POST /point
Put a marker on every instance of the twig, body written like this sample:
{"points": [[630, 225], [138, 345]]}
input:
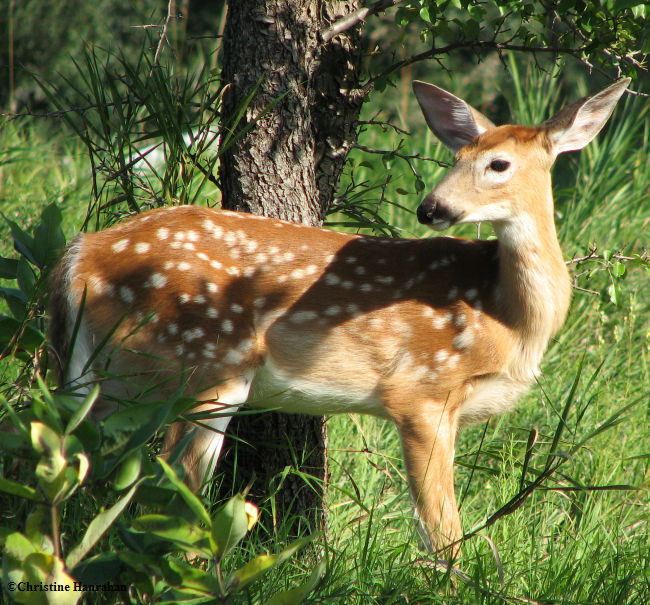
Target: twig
{"points": [[384, 125], [477, 44], [402, 156], [356, 17], [163, 36]]}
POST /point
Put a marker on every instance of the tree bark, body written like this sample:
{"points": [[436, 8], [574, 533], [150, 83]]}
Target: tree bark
{"points": [[284, 161]]}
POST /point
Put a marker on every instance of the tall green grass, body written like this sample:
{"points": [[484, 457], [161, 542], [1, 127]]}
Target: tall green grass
{"points": [[582, 535]]}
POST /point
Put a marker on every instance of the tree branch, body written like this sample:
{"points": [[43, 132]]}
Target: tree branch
{"points": [[356, 17], [475, 44]]}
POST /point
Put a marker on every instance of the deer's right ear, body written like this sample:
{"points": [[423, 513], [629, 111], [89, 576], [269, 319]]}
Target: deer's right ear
{"points": [[452, 120]]}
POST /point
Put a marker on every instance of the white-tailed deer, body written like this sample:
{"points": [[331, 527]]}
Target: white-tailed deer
{"points": [[430, 333]]}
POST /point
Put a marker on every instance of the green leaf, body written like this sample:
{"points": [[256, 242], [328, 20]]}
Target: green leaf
{"points": [[192, 578], [18, 489], [132, 427], [8, 268], [230, 524], [26, 278], [83, 410], [175, 529], [97, 527], [195, 504], [23, 242], [48, 236], [614, 292], [16, 301], [99, 569], [619, 269], [261, 564], [128, 471], [46, 569], [18, 546], [297, 595]]}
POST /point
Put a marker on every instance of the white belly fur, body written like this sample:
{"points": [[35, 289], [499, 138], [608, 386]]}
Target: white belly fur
{"points": [[274, 389]]}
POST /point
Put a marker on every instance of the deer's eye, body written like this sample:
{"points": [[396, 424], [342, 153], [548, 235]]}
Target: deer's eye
{"points": [[499, 165]]}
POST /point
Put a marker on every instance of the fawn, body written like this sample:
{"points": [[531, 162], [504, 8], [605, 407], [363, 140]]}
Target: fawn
{"points": [[430, 333]]}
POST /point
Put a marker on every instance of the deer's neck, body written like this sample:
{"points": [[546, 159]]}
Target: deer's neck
{"points": [[534, 285]]}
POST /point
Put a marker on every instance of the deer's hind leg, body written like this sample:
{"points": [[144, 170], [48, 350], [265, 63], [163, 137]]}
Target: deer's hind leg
{"points": [[201, 454]]}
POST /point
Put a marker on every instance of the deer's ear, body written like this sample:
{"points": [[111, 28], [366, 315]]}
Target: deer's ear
{"points": [[452, 120], [577, 124]]}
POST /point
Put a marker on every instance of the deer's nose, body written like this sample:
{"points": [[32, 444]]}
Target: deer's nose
{"points": [[426, 211]]}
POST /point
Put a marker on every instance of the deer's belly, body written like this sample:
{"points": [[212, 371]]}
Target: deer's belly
{"points": [[312, 394]]}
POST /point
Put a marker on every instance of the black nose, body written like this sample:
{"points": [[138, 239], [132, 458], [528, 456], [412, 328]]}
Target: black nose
{"points": [[427, 210]]}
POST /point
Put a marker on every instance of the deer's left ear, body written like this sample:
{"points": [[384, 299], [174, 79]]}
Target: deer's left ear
{"points": [[577, 124], [452, 120]]}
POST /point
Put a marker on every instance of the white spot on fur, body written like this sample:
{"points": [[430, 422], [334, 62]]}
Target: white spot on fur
{"points": [[183, 266], [126, 294], [162, 233], [440, 322], [193, 334], [384, 279], [156, 280], [184, 298], [441, 356], [199, 299], [97, 284], [331, 279], [172, 329], [227, 326], [120, 246], [464, 340], [333, 310], [211, 287], [471, 294], [302, 317], [142, 247], [235, 308], [353, 310], [212, 313]]}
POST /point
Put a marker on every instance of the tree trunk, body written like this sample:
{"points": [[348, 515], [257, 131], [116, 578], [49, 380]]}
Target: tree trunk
{"points": [[302, 118]]}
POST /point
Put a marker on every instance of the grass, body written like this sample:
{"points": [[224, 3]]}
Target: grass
{"points": [[582, 536]]}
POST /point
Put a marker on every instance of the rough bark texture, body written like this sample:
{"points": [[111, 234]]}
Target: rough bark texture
{"points": [[286, 166]]}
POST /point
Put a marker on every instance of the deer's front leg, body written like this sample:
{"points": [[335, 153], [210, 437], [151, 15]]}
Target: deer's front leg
{"points": [[428, 440]]}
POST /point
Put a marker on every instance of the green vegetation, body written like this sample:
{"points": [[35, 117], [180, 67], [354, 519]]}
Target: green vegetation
{"points": [[555, 495]]}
